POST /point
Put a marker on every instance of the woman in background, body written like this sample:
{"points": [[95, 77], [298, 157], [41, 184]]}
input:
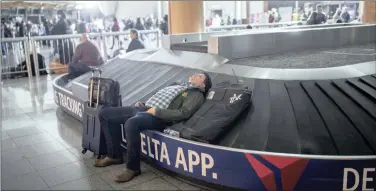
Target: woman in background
{"points": [[115, 28]]}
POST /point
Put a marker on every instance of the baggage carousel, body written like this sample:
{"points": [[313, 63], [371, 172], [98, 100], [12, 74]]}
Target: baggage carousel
{"points": [[307, 128]]}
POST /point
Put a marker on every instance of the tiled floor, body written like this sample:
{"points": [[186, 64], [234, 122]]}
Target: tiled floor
{"points": [[41, 147]]}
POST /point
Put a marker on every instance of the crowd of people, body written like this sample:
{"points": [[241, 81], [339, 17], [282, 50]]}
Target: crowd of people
{"points": [[309, 15], [319, 17], [61, 25], [87, 52]]}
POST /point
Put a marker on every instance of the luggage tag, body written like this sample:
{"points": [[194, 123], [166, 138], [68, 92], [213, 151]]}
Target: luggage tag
{"points": [[210, 95], [217, 94]]}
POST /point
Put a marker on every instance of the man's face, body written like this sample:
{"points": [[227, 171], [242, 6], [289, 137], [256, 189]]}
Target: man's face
{"points": [[132, 35], [198, 79], [319, 9]]}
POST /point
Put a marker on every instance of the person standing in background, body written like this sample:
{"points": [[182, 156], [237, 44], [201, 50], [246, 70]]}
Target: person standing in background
{"points": [[337, 15], [115, 28], [164, 25], [271, 17], [81, 28], [312, 19], [139, 26], [216, 21], [46, 27], [345, 16], [295, 15], [321, 17], [135, 43]]}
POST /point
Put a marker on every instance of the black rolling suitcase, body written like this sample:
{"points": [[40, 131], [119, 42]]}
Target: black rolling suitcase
{"points": [[103, 92]]}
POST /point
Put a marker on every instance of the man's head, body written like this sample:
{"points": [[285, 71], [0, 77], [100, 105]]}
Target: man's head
{"points": [[84, 37], [201, 80], [61, 15], [319, 8], [133, 34]]}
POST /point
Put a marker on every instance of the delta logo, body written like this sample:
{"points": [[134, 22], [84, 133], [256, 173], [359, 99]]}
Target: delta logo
{"points": [[289, 170]]}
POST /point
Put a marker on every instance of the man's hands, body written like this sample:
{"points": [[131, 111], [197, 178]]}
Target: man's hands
{"points": [[151, 111], [139, 104]]}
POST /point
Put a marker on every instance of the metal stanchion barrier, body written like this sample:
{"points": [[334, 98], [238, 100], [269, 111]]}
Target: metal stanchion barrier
{"points": [[242, 27], [13, 55], [17, 50]]}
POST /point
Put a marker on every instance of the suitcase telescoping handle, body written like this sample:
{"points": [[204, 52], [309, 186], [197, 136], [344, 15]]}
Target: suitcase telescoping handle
{"points": [[93, 70], [96, 69]]}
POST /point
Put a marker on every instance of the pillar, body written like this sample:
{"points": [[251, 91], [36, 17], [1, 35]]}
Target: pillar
{"points": [[205, 14], [369, 11], [165, 7], [185, 17], [244, 9], [238, 10], [159, 9], [245, 20]]}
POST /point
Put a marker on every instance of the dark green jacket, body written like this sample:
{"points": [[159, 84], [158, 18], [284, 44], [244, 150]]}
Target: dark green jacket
{"points": [[182, 107]]}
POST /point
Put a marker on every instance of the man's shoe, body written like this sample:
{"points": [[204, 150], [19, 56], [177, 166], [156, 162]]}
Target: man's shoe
{"points": [[107, 161], [127, 175]]}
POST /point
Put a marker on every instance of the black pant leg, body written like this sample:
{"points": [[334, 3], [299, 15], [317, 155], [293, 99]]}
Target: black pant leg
{"points": [[111, 119], [133, 128]]}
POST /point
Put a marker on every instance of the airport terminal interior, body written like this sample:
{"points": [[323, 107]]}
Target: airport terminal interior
{"points": [[309, 68]]}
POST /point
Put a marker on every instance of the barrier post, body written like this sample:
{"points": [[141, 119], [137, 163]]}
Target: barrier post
{"points": [[159, 34], [27, 57], [35, 57], [103, 39]]}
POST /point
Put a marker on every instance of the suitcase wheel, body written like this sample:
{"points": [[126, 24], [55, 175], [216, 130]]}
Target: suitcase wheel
{"points": [[83, 151]]}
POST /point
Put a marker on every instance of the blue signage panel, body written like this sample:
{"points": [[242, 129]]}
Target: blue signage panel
{"points": [[251, 171]]}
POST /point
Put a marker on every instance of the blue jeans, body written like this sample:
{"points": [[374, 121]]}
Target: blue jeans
{"points": [[133, 127], [136, 120]]}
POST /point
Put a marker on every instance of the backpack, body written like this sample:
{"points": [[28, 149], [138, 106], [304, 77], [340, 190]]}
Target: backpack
{"points": [[216, 116], [41, 65]]}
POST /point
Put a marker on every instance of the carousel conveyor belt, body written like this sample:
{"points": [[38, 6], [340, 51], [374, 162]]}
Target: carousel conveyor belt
{"points": [[191, 46], [323, 117], [326, 117]]}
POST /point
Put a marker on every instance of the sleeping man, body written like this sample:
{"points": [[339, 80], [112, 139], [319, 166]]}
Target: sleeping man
{"points": [[169, 105]]}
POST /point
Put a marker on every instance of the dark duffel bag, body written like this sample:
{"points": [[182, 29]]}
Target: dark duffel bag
{"points": [[216, 116], [92, 136], [41, 65]]}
